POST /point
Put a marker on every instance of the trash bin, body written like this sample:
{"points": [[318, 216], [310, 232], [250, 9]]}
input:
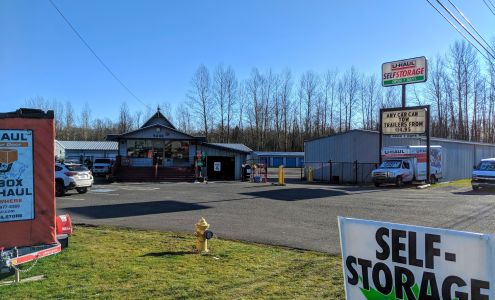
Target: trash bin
{"points": [[246, 172]]}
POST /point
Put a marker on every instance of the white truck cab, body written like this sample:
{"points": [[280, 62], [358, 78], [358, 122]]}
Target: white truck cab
{"points": [[405, 164], [484, 174]]}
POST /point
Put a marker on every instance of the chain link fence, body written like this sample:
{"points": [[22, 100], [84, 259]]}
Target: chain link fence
{"points": [[336, 172]]}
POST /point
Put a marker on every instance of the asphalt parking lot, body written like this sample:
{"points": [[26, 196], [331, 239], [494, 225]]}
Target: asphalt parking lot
{"points": [[296, 215]]}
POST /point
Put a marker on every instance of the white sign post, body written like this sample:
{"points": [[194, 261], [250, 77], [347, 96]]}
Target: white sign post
{"points": [[16, 175], [394, 261], [217, 166]]}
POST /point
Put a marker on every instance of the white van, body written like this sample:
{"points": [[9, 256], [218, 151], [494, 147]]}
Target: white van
{"points": [[403, 164]]}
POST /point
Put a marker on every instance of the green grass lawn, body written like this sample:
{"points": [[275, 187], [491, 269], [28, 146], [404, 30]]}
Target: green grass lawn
{"points": [[457, 183], [114, 263]]}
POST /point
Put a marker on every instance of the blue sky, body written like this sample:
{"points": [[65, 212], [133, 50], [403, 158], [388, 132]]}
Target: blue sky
{"points": [[155, 46]]}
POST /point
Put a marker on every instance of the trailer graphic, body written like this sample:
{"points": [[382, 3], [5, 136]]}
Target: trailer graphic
{"points": [[16, 175]]}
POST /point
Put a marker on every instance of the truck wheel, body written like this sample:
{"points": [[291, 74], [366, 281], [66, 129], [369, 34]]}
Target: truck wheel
{"points": [[59, 189], [377, 184], [475, 187], [398, 181], [433, 179], [82, 190]]}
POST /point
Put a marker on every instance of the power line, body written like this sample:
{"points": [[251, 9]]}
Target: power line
{"points": [[466, 29], [471, 25], [489, 6], [457, 29], [97, 57]]}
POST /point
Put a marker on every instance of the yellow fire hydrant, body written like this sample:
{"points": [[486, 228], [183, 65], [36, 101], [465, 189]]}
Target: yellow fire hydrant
{"points": [[202, 235]]}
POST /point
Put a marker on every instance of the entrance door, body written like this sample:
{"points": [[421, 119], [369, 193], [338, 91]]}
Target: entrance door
{"points": [[221, 168], [158, 153]]}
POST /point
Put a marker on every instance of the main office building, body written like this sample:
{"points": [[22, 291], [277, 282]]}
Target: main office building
{"points": [[159, 151]]}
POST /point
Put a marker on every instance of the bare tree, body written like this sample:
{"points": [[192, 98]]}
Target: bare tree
{"points": [[308, 93], [125, 119], [184, 118], [200, 98], [85, 122]]}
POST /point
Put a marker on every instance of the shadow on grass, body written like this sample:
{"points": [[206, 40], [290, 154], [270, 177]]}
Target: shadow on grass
{"points": [[169, 253], [121, 210]]}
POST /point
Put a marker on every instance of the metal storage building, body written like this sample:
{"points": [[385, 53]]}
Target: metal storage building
{"points": [[74, 150], [276, 159], [228, 157], [359, 150]]}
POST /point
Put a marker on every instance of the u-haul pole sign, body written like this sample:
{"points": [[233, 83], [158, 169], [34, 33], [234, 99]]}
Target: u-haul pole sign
{"points": [[16, 175], [406, 71], [393, 261]]}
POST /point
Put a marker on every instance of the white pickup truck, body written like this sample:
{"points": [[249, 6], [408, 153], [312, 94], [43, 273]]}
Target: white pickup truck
{"points": [[484, 174], [102, 166], [405, 164]]}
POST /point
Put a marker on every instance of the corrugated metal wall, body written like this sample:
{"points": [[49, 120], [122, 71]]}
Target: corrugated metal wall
{"points": [[240, 158], [459, 156]]}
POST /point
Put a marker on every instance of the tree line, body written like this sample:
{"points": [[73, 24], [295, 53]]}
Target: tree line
{"points": [[275, 111]]}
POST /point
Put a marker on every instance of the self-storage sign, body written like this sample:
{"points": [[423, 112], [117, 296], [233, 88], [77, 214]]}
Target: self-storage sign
{"points": [[404, 121], [393, 261], [406, 71], [16, 175]]}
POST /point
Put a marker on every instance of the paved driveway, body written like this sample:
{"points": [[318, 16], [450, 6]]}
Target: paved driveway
{"points": [[297, 215]]}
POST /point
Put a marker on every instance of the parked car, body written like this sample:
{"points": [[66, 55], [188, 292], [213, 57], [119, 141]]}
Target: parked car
{"points": [[72, 176], [484, 174], [102, 166]]}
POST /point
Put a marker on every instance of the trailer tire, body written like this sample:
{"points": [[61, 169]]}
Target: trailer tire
{"points": [[82, 190], [6, 272], [59, 188], [398, 181]]}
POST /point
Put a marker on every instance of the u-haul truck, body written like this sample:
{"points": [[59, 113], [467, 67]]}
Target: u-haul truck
{"points": [[403, 164]]}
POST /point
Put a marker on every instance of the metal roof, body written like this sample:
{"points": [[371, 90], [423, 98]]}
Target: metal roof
{"points": [[89, 145], [275, 153], [235, 147]]}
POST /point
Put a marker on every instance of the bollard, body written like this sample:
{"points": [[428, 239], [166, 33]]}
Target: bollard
{"points": [[281, 175], [310, 174]]}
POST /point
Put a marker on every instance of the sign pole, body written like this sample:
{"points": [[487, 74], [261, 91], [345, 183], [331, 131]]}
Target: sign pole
{"points": [[380, 143], [428, 144], [403, 96]]}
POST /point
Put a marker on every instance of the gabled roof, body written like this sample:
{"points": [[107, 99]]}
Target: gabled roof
{"points": [[89, 145], [234, 147], [158, 119], [143, 128]]}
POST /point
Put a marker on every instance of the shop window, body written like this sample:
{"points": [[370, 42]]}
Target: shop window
{"points": [[139, 148], [178, 151]]}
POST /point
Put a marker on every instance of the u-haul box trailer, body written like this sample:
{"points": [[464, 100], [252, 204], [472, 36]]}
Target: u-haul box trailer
{"points": [[27, 188]]}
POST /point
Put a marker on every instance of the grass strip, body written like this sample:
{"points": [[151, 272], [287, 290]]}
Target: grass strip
{"points": [[118, 263]]}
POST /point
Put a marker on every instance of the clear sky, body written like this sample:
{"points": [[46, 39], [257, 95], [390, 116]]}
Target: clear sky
{"points": [[155, 46]]}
